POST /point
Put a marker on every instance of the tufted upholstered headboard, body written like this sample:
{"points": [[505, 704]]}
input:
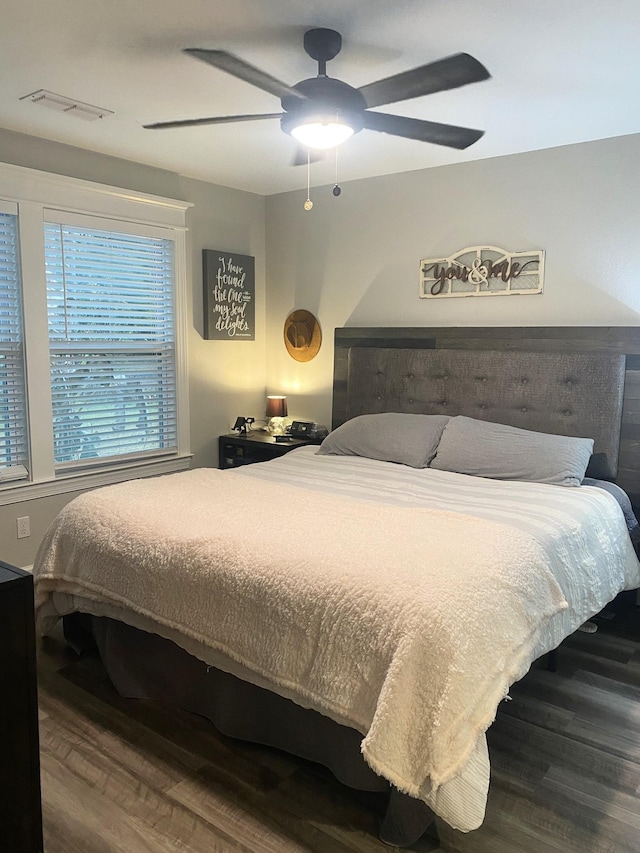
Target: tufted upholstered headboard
{"points": [[565, 393], [565, 380]]}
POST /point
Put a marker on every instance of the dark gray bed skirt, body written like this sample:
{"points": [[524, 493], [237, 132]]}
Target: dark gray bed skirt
{"points": [[146, 666]]}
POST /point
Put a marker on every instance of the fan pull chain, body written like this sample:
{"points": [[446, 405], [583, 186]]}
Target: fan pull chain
{"points": [[308, 203], [337, 189]]}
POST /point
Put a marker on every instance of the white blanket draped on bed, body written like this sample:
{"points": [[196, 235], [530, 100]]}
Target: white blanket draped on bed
{"points": [[404, 621]]}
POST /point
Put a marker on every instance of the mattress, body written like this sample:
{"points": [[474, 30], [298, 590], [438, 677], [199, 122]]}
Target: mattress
{"points": [[557, 517], [580, 558]]}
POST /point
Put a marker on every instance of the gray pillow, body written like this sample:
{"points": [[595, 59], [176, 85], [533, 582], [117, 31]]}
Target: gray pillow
{"points": [[391, 437], [502, 452]]}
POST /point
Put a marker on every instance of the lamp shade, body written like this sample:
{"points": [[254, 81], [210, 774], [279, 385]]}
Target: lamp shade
{"points": [[276, 407]]}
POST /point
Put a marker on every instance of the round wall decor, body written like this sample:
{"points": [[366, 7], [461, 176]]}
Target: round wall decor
{"points": [[302, 335]]}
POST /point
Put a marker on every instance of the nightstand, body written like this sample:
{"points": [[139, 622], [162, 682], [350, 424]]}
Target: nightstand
{"points": [[235, 450]]}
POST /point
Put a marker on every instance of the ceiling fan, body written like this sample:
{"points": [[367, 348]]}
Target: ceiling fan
{"points": [[322, 112]]}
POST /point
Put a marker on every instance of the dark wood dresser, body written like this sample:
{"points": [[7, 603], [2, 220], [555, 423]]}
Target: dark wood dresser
{"points": [[20, 805]]}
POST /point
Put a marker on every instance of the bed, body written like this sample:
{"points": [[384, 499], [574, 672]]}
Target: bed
{"points": [[445, 543]]}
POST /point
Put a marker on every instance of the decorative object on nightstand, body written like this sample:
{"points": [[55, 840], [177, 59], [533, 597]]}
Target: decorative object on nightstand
{"points": [[243, 425], [235, 450], [276, 413]]}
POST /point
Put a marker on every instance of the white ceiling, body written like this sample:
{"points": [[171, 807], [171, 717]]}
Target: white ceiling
{"points": [[563, 71]]}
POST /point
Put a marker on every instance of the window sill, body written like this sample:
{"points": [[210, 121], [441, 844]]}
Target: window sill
{"points": [[16, 492]]}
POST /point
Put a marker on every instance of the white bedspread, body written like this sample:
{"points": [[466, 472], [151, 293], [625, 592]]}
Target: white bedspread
{"points": [[400, 602]]}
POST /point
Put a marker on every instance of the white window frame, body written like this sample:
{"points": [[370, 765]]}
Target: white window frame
{"points": [[36, 192], [16, 471]]}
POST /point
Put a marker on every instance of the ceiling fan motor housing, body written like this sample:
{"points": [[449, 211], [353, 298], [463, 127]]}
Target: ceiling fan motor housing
{"points": [[325, 99], [322, 44]]}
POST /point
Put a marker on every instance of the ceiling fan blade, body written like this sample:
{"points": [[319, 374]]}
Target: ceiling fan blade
{"points": [[423, 131], [300, 157], [448, 73], [195, 122], [244, 71]]}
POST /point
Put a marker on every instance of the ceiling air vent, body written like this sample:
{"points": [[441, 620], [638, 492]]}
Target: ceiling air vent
{"points": [[86, 112]]}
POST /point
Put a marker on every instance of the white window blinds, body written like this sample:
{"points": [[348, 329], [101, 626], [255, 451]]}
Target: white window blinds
{"points": [[112, 344], [13, 409]]}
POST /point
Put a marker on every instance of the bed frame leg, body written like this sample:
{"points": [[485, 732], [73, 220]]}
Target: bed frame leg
{"points": [[76, 628], [406, 820]]}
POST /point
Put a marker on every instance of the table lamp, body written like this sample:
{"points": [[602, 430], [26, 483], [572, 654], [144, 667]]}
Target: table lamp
{"points": [[276, 413]]}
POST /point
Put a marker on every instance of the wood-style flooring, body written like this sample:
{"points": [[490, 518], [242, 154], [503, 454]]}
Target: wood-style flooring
{"points": [[132, 777]]}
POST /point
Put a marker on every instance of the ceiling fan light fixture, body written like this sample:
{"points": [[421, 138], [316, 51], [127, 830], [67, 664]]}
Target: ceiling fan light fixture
{"points": [[322, 135], [322, 131]]}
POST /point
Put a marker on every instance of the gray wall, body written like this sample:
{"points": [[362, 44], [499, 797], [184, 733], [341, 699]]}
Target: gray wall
{"points": [[227, 378], [354, 260]]}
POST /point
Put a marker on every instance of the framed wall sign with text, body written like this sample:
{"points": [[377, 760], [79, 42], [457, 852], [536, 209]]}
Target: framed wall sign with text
{"points": [[482, 271], [229, 296]]}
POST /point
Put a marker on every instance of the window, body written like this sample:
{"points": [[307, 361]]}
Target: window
{"points": [[111, 344], [93, 378]]}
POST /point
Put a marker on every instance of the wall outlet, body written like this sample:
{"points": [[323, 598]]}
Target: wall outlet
{"points": [[23, 527]]}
